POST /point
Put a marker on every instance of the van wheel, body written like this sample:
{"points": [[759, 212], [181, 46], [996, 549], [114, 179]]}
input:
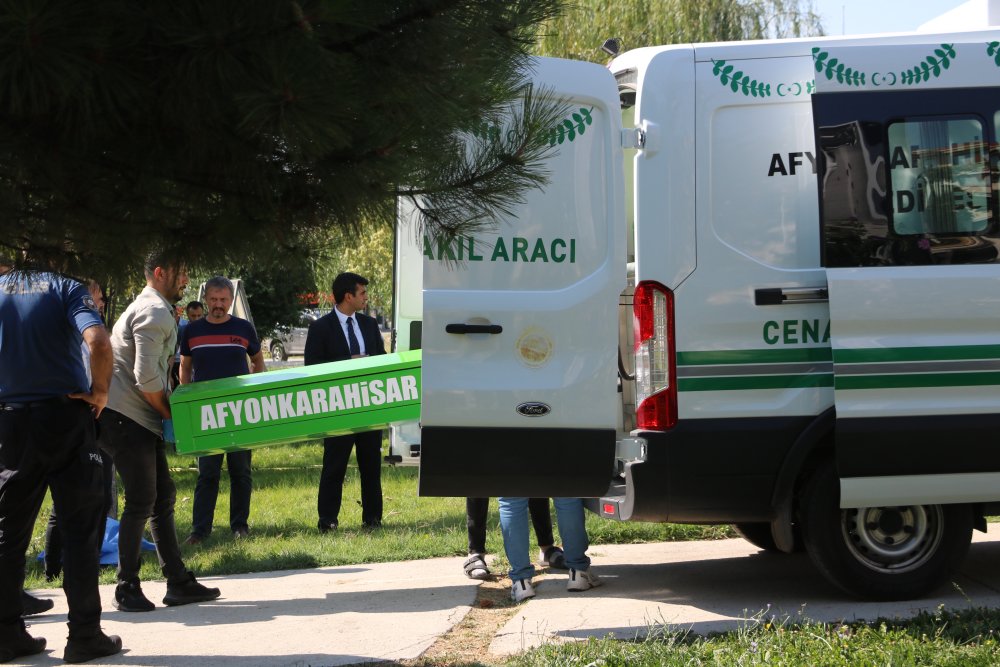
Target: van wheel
{"points": [[881, 553], [759, 535], [278, 352]]}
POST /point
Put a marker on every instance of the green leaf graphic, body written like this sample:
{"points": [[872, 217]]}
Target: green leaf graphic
{"points": [[570, 132]]}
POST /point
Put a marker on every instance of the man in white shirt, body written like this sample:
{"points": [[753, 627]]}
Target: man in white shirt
{"points": [[347, 333]]}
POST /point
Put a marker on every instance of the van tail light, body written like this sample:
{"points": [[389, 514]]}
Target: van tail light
{"points": [[655, 364]]}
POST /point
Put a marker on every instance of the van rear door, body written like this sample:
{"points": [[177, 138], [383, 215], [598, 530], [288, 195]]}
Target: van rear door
{"points": [[520, 329], [908, 173]]}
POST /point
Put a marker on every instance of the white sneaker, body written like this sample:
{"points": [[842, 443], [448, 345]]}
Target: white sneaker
{"points": [[522, 590], [582, 580]]}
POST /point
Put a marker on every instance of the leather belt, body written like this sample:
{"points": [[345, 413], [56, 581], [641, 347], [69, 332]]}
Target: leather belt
{"points": [[55, 400]]}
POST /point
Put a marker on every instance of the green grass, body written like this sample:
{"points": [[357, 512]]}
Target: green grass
{"points": [[283, 522], [964, 638]]}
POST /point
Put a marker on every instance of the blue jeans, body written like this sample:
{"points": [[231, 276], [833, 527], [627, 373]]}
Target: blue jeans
{"points": [[206, 491], [514, 526]]}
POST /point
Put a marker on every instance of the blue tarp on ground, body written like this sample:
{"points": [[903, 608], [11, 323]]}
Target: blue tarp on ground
{"points": [[109, 549]]}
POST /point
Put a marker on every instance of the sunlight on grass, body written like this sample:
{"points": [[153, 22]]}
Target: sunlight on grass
{"points": [[967, 637], [283, 533]]}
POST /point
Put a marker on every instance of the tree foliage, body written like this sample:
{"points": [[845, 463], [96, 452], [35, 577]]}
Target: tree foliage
{"points": [[226, 126], [366, 250], [274, 291], [579, 33]]}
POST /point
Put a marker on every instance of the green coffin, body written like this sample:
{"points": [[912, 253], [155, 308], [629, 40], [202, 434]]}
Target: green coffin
{"points": [[296, 403]]}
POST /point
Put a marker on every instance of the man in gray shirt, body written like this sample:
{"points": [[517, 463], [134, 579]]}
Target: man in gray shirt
{"points": [[132, 427]]}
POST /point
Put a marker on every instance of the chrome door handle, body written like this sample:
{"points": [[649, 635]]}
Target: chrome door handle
{"points": [[778, 296]]}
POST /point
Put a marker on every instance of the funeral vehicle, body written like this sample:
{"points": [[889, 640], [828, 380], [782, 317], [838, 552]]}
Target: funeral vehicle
{"points": [[761, 287]]}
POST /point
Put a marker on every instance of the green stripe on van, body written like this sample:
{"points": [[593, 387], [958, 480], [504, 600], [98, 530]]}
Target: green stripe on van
{"points": [[913, 380], [933, 353], [763, 356], [755, 382]]}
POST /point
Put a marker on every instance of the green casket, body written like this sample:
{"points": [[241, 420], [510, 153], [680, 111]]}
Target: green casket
{"points": [[296, 403]]}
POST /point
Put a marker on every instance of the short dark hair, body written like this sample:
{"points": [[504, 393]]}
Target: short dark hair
{"points": [[193, 304], [220, 282], [163, 257], [346, 283]]}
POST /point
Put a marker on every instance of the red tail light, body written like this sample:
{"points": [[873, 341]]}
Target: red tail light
{"points": [[655, 365]]}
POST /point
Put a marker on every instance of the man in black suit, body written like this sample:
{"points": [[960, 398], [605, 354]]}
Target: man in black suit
{"points": [[346, 333]]}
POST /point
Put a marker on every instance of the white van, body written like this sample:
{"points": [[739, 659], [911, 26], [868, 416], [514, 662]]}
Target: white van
{"points": [[762, 288]]}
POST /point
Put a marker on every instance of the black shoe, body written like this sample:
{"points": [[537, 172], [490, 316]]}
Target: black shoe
{"points": [[371, 525], [31, 605], [327, 526], [88, 648], [24, 644], [188, 592], [129, 597]]}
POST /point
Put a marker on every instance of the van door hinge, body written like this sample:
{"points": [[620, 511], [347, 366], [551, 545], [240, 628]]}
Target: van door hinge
{"points": [[633, 137]]}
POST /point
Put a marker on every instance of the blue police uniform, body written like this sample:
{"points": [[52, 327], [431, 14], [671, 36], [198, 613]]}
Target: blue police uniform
{"points": [[47, 440]]}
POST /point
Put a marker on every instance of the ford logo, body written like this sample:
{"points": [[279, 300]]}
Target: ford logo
{"points": [[533, 409]]}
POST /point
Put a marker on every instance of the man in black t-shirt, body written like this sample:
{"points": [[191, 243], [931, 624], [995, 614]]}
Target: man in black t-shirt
{"points": [[214, 347]]}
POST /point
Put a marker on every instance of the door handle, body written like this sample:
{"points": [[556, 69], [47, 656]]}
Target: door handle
{"points": [[473, 328], [777, 296]]}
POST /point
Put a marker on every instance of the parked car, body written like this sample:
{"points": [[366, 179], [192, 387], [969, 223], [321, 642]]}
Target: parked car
{"points": [[292, 341]]}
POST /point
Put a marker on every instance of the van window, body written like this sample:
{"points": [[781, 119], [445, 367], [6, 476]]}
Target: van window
{"points": [[909, 177], [939, 176]]}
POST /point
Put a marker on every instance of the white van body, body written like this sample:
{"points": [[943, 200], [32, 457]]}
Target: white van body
{"points": [[762, 288]]}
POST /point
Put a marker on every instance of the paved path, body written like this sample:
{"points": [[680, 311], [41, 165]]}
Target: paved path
{"points": [[392, 611], [319, 617]]}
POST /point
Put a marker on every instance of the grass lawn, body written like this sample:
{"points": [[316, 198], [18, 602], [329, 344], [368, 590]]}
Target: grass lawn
{"points": [[283, 522], [965, 638]]}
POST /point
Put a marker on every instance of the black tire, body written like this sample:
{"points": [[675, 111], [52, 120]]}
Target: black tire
{"points": [[278, 352], [759, 535], [881, 553]]}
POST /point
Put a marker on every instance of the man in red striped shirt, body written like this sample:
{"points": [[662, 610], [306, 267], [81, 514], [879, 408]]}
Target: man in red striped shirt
{"points": [[217, 346]]}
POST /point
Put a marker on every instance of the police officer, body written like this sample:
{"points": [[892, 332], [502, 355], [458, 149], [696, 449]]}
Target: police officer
{"points": [[47, 440]]}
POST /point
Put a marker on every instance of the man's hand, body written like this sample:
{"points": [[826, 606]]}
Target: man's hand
{"points": [[97, 400]]}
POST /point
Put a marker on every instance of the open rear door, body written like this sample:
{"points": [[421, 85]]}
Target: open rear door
{"points": [[520, 328], [908, 183]]}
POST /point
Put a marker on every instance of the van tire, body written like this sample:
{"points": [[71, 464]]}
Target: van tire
{"points": [[278, 352], [759, 535], [901, 554]]}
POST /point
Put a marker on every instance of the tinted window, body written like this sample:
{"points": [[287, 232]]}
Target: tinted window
{"points": [[908, 177], [940, 181]]}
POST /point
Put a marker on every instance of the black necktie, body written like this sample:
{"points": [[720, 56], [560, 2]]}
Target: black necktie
{"points": [[352, 340]]}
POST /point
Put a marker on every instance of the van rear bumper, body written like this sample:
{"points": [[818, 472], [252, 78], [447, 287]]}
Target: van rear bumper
{"points": [[703, 471]]}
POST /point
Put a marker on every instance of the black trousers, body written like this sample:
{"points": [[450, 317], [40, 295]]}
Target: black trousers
{"points": [[51, 445], [140, 457], [53, 535], [206, 491], [476, 510], [336, 453]]}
